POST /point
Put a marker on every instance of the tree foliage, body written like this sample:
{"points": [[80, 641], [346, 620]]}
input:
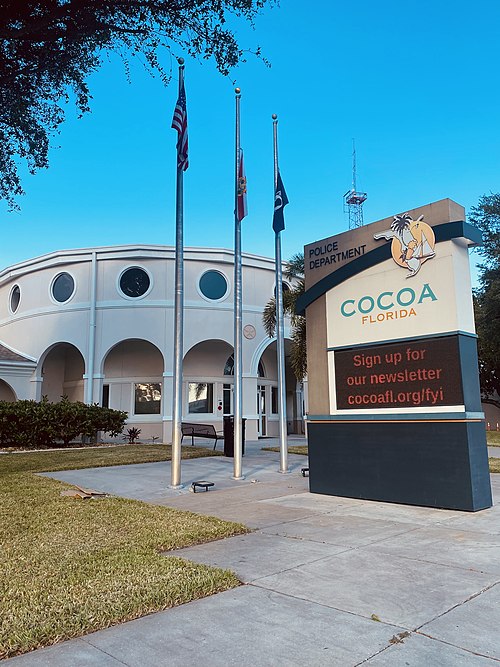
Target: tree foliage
{"points": [[48, 49], [294, 272], [486, 216]]}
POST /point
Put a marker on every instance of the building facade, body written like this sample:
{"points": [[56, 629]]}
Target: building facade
{"points": [[96, 325]]}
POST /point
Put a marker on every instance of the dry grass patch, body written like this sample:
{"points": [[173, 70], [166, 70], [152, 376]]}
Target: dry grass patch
{"points": [[494, 464], [94, 457], [70, 566], [493, 438], [292, 449]]}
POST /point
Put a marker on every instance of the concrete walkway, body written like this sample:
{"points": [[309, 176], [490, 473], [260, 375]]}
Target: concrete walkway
{"points": [[328, 581]]}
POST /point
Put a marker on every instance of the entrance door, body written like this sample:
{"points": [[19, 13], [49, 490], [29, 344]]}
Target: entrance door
{"points": [[261, 410], [227, 399]]}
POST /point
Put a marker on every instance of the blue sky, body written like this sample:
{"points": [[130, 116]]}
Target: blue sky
{"points": [[415, 83]]}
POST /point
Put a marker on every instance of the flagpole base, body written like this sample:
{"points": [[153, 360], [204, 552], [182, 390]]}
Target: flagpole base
{"points": [[176, 486], [238, 478], [284, 472]]}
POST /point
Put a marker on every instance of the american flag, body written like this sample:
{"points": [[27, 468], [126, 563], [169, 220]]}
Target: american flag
{"points": [[179, 123]]}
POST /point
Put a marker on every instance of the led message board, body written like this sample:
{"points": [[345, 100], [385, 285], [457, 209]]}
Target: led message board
{"points": [[412, 374]]}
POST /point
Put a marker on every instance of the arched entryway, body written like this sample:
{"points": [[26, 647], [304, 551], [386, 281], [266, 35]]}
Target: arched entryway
{"points": [[208, 381], [63, 368], [267, 393], [133, 379], [6, 392]]}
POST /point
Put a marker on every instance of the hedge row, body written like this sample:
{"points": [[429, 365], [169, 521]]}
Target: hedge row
{"points": [[37, 425]]}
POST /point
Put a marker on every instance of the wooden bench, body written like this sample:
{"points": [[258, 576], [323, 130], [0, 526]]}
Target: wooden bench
{"points": [[200, 431]]}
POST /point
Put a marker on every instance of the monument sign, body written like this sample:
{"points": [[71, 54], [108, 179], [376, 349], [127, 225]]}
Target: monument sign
{"points": [[394, 400]]}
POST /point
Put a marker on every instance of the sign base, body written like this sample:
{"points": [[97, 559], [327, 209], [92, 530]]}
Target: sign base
{"points": [[432, 463]]}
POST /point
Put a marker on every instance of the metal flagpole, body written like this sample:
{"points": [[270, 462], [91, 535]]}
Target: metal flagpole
{"points": [[238, 338], [280, 332], [175, 481]]}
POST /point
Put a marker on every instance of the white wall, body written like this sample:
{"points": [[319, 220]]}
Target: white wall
{"points": [[40, 322]]}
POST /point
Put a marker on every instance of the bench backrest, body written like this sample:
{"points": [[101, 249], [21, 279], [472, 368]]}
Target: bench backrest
{"points": [[197, 429]]}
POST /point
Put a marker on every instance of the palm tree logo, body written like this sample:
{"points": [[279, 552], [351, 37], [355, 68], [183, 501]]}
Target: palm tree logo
{"points": [[412, 242]]}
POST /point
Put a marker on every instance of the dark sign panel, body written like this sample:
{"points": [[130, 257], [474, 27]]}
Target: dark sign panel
{"points": [[411, 374]]}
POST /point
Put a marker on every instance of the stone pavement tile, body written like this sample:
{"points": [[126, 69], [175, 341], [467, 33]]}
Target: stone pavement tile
{"points": [[73, 653], [419, 651], [150, 481], [245, 493], [418, 516], [143, 481], [257, 555], [398, 590], [447, 546], [348, 531], [474, 625], [246, 627], [485, 521], [316, 502], [257, 515]]}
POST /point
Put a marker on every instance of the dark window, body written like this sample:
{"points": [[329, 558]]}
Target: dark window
{"points": [[213, 285], [147, 398], [63, 287], [105, 395], [201, 397], [134, 282], [229, 367], [274, 400], [226, 398], [284, 287], [260, 370], [15, 298]]}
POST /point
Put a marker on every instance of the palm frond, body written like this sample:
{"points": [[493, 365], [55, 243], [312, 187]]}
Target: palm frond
{"points": [[298, 353], [269, 317], [294, 268], [298, 350]]}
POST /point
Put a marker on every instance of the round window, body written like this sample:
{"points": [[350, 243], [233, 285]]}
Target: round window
{"points": [[15, 298], [213, 285], [134, 282], [285, 288], [63, 287]]}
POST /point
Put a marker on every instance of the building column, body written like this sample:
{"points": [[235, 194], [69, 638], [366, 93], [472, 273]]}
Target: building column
{"points": [[36, 388]]}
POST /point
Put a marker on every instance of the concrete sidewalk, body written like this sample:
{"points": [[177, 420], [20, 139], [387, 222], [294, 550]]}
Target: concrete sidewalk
{"points": [[328, 581]]}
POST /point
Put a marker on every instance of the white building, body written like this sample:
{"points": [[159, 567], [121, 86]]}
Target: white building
{"points": [[96, 325]]}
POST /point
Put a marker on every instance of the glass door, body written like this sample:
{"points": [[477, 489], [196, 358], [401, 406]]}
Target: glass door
{"points": [[261, 410], [227, 399]]}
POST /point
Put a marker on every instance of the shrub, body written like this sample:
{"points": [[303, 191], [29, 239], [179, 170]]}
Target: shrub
{"points": [[38, 425]]}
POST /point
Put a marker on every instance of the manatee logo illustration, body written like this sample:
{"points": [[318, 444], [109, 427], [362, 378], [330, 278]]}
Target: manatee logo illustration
{"points": [[412, 242]]}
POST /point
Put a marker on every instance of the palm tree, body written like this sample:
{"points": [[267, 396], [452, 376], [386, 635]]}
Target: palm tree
{"points": [[294, 271]]}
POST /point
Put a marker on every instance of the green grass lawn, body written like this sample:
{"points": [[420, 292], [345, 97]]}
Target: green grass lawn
{"points": [[73, 566]]}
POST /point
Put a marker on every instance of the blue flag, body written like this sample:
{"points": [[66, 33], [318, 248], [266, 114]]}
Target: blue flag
{"points": [[280, 201]]}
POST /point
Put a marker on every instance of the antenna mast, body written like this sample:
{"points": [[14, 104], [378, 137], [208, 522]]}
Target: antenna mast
{"points": [[354, 200]]}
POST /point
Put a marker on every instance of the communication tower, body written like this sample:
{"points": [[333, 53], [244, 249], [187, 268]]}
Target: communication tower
{"points": [[354, 200]]}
